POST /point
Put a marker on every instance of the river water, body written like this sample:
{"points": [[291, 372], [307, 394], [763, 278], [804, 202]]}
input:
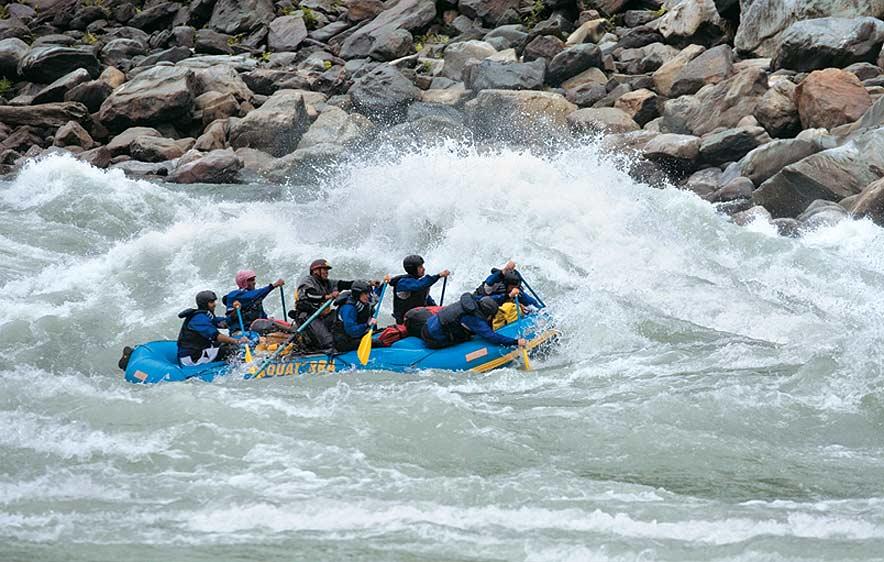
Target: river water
{"points": [[717, 393]]}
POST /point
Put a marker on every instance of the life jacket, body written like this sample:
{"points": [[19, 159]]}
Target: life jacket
{"points": [[363, 315], [449, 318], [250, 312], [485, 290], [506, 314], [190, 342], [403, 301], [305, 304], [416, 319], [392, 334]]}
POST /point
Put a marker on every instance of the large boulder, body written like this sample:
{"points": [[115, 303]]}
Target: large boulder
{"points": [[776, 110], [162, 94], [762, 22], [729, 145], [825, 42], [49, 63], [693, 21], [302, 166], [831, 175], [47, 115], [383, 94], [73, 134], [218, 166], [870, 203], [240, 16], [156, 149], [212, 106], [498, 75], [602, 120], [521, 116], [286, 33], [336, 126], [374, 38], [91, 94], [821, 213], [12, 51], [763, 162], [714, 106], [120, 52], [56, 91], [572, 61], [121, 143], [276, 127], [675, 150], [831, 97], [457, 55], [222, 79], [156, 17], [711, 67], [642, 105], [666, 74], [489, 11]]}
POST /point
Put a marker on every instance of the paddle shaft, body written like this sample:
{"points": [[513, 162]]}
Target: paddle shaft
{"points": [[301, 328], [442, 298], [524, 351], [282, 297], [242, 328], [536, 296], [363, 352]]}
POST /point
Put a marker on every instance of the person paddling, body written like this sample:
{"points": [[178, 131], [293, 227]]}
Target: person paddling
{"points": [[251, 302], [412, 290], [313, 290], [355, 315], [199, 340], [458, 322]]}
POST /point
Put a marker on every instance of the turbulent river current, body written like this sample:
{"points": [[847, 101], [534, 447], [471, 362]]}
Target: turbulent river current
{"points": [[717, 393]]}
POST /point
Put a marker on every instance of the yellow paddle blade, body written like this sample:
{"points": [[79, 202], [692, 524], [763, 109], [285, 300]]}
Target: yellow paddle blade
{"points": [[364, 350], [525, 359], [248, 354]]}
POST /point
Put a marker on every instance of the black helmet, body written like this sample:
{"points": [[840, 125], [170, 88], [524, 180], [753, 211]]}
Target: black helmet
{"points": [[488, 307], [411, 263], [203, 298], [512, 279], [358, 288]]}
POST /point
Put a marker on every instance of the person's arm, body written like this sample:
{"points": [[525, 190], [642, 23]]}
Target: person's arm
{"points": [[409, 284], [527, 300], [351, 326], [495, 277], [430, 301], [483, 330]]}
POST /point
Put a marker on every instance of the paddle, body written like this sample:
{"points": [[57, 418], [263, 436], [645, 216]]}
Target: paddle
{"points": [[527, 286], [525, 359], [442, 298], [364, 350], [248, 356], [300, 329], [282, 297]]}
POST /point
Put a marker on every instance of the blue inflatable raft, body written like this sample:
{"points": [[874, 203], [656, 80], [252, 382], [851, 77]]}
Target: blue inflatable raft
{"points": [[156, 362]]}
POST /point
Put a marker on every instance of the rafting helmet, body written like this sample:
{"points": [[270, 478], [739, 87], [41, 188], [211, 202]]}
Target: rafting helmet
{"points": [[488, 307], [203, 298], [319, 264], [512, 279], [358, 288], [411, 263]]}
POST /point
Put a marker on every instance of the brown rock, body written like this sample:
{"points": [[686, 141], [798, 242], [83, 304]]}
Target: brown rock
{"points": [[543, 47], [665, 75], [214, 137], [589, 32], [73, 134], [215, 105], [870, 202], [642, 105], [120, 143], [358, 10], [218, 166], [831, 97], [605, 119], [154, 149], [777, 112], [711, 67], [47, 115]]}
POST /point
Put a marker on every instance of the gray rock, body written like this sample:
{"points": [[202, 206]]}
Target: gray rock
{"points": [[146, 170], [214, 105], [664, 76], [753, 214], [830, 174], [714, 106], [457, 55], [543, 47], [91, 94], [157, 95], [47, 115], [56, 91], [211, 42], [645, 59], [693, 21], [423, 132], [214, 137], [711, 67], [514, 36], [286, 33], [825, 42], [47, 64], [607, 119], [642, 105], [383, 94], [729, 145], [13, 28], [239, 16], [336, 126], [704, 182], [304, 165], [768, 159], [494, 75], [218, 166], [371, 39], [98, 157], [120, 144], [490, 11], [12, 51], [120, 52], [266, 81], [672, 149], [639, 37], [737, 188], [586, 95], [572, 61], [159, 16], [276, 127], [776, 110], [222, 79], [420, 110], [155, 149], [822, 213], [870, 202], [173, 55], [519, 116], [73, 134]]}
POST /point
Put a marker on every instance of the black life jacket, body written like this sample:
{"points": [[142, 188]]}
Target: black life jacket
{"points": [[190, 341], [485, 290], [363, 315], [403, 301], [449, 318], [305, 304]]}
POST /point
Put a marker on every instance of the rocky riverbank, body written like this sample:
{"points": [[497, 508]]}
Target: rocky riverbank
{"points": [[770, 109]]}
